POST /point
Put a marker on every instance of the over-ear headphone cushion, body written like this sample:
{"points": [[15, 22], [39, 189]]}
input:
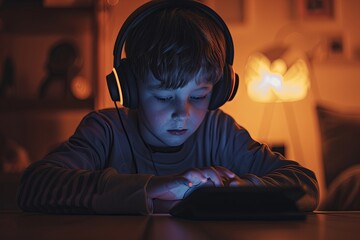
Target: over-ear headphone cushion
{"points": [[128, 86], [112, 86], [225, 89]]}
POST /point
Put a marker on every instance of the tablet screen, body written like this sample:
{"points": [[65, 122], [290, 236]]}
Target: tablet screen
{"points": [[241, 203]]}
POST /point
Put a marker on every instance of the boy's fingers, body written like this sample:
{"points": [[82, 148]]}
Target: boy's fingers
{"points": [[224, 172], [238, 182], [234, 183], [214, 176], [195, 176]]}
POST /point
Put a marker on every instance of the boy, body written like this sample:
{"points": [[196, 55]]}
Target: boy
{"points": [[169, 143]]}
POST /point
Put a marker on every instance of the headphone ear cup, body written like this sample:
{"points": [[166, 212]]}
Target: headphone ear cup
{"points": [[111, 80], [122, 85], [225, 89]]}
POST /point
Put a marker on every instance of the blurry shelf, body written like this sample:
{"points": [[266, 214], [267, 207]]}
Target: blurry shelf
{"points": [[29, 18], [38, 19], [14, 105]]}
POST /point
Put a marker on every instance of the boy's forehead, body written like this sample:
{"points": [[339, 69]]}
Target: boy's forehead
{"points": [[153, 83]]}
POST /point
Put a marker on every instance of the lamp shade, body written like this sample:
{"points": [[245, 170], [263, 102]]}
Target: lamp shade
{"points": [[274, 81]]}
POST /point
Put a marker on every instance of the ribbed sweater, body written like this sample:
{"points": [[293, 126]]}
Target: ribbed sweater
{"points": [[99, 170]]}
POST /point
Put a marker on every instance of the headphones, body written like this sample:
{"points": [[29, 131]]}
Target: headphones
{"points": [[121, 81]]}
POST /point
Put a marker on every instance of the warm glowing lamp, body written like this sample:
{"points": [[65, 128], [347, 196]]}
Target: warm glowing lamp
{"points": [[274, 81], [277, 75]]}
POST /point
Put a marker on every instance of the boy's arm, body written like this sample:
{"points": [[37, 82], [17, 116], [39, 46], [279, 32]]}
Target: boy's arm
{"points": [[291, 175], [77, 177], [266, 168], [46, 187], [257, 164]]}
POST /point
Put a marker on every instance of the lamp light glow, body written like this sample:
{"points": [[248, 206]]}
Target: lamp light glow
{"points": [[275, 82]]}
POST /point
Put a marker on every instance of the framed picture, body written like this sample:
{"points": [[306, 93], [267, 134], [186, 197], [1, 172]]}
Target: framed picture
{"points": [[231, 11], [315, 9], [336, 47]]}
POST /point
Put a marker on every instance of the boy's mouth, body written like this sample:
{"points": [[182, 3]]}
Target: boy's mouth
{"points": [[177, 131]]}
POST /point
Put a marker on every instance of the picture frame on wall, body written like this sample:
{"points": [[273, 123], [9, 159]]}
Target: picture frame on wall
{"points": [[232, 12], [315, 9]]}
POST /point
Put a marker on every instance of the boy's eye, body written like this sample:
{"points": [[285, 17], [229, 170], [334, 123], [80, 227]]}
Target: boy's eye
{"points": [[163, 99], [198, 98]]}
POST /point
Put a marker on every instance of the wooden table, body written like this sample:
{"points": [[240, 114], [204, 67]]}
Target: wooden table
{"points": [[17, 225]]}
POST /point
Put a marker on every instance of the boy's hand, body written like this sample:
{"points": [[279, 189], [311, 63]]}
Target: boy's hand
{"points": [[219, 176], [167, 187], [174, 187]]}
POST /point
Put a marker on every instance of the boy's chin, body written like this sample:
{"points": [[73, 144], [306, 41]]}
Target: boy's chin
{"points": [[175, 144]]}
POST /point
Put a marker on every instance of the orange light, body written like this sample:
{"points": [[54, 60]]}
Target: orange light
{"points": [[274, 82]]}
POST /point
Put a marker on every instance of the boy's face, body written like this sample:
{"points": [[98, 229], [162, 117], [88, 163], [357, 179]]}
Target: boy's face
{"points": [[170, 116]]}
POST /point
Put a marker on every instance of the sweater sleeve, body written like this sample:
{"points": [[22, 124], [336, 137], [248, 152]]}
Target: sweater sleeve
{"points": [[272, 169], [77, 178], [267, 168], [256, 163]]}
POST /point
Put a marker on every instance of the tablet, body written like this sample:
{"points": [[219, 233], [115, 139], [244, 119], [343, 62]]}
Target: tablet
{"points": [[247, 203]]}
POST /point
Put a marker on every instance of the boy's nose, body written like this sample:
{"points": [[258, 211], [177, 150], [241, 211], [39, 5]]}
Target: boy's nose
{"points": [[181, 111]]}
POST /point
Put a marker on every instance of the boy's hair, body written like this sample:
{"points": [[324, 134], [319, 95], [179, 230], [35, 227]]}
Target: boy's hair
{"points": [[177, 45]]}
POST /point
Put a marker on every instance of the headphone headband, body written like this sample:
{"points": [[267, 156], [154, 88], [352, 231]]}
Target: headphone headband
{"points": [[148, 8]]}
